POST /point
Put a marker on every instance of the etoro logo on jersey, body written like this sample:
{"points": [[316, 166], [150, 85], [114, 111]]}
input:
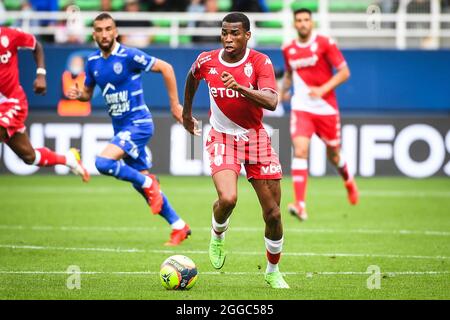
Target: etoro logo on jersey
{"points": [[228, 93]]}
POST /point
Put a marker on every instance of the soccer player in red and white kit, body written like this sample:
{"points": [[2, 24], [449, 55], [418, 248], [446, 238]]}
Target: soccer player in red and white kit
{"points": [[241, 84], [14, 104], [309, 62]]}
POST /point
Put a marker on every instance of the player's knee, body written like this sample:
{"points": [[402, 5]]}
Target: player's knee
{"points": [[333, 155], [228, 200], [301, 152], [28, 158], [106, 166], [272, 215]]}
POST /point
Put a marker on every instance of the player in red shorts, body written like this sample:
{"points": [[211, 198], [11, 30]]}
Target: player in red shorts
{"points": [[14, 105], [241, 83], [309, 62]]}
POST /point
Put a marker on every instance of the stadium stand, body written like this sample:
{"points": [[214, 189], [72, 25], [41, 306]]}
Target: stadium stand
{"points": [[395, 24]]}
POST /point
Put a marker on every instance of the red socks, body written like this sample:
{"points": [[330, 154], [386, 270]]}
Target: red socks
{"points": [[299, 178], [46, 158]]}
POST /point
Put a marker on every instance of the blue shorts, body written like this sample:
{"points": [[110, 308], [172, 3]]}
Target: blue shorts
{"points": [[133, 140]]}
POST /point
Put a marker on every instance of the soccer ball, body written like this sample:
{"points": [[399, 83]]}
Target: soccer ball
{"points": [[178, 273]]}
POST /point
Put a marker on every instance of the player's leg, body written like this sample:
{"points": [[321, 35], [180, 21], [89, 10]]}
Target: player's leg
{"points": [[269, 195], [110, 163], [180, 229], [335, 156], [3, 134], [302, 128], [225, 182], [329, 130], [44, 157]]}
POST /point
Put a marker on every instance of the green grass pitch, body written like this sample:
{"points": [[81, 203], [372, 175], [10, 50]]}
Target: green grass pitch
{"points": [[48, 223]]}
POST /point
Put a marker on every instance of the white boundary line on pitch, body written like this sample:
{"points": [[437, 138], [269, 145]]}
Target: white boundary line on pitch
{"points": [[238, 229], [198, 190], [307, 274], [243, 253]]}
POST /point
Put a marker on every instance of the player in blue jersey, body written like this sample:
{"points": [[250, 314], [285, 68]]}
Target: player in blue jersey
{"points": [[117, 69]]}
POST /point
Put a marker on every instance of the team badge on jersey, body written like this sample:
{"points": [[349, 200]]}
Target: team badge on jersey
{"points": [[313, 47], [5, 41], [118, 67], [248, 69]]}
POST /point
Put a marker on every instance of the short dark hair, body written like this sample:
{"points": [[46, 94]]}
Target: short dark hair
{"points": [[303, 10], [238, 17], [104, 16]]}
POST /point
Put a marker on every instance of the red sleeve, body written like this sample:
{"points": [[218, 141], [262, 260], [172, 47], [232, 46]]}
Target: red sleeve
{"points": [[265, 74], [23, 39], [196, 69], [287, 67], [334, 55]]}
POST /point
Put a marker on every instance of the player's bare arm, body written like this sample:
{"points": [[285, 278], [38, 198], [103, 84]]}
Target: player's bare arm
{"points": [[266, 98], [170, 81], [40, 83], [190, 88], [339, 77], [286, 86], [84, 94]]}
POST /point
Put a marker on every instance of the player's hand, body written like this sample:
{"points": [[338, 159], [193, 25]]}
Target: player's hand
{"points": [[74, 92], [228, 81], [40, 85], [316, 92], [191, 125], [177, 112]]}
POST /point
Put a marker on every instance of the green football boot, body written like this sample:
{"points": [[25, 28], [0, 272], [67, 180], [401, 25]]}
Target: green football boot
{"points": [[276, 280], [217, 252]]}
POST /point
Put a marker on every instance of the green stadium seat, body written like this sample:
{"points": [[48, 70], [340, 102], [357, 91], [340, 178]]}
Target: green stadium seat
{"points": [[117, 5], [62, 4], [161, 23], [335, 5], [312, 5], [270, 24], [224, 5], [88, 5], [349, 6], [269, 40], [275, 5], [165, 39], [184, 39], [12, 4]]}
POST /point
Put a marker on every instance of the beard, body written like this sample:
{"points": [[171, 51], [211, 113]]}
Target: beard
{"points": [[304, 34], [107, 46]]}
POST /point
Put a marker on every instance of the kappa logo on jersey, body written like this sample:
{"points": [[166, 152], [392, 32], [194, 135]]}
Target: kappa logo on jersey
{"points": [[4, 41], [213, 71], [248, 69], [140, 59], [118, 67], [303, 63], [268, 61], [4, 58]]}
